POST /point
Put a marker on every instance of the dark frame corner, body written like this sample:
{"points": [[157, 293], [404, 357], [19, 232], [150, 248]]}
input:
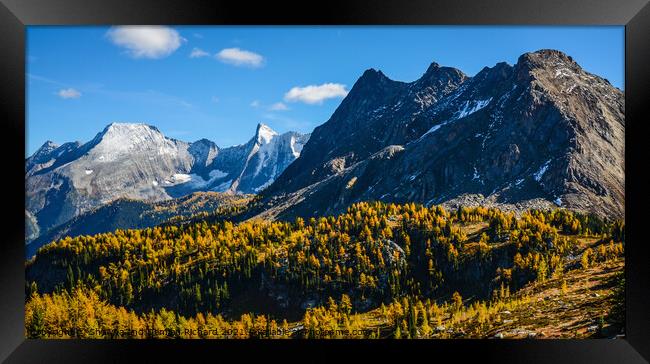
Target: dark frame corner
{"points": [[634, 14]]}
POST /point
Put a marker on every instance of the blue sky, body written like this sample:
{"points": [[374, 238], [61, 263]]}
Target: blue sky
{"points": [[218, 82]]}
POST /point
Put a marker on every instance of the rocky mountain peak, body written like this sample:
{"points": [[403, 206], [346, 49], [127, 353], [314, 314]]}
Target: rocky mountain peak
{"points": [[42, 155], [544, 57], [204, 151], [203, 141], [432, 67], [264, 134], [376, 112], [532, 63], [437, 76], [435, 83], [49, 155], [119, 129], [372, 74], [541, 130], [47, 146], [498, 72], [120, 139], [369, 80], [44, 150]]}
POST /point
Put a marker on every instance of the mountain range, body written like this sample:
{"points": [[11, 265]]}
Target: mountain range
{"points": [[137, 162], [542, 133]]}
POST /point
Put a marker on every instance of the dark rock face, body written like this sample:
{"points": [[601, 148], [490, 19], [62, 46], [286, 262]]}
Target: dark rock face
{"points": [[136, 161], [540, 133], [377, 112], [203, 152]]}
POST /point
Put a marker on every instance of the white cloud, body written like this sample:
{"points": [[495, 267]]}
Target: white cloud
{"points": [[278, 106], [68, 93], [146, 41], [313, 94], [255, 103], [240, 57], [198, 53]]}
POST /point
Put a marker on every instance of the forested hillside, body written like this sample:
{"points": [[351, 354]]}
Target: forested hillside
{"points": [[389, 270], [137, 214]]}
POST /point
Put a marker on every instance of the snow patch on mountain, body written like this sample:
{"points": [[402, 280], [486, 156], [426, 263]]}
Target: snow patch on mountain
{"points": [[540, 173], [296, 147], [194, 182], [215, 174], [266, 153], [472, 106], [468, 108], [476, 174], [265, 185], [181, 178], [563, 72]]}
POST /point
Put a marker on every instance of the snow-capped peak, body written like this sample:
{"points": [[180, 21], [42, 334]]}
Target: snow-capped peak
{"points": [[120, 139], [128, 130], [264, 133], [47, 147], [123, 128]]}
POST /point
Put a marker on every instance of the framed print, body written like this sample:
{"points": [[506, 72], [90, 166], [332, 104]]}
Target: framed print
{"points": [[374, 180]]}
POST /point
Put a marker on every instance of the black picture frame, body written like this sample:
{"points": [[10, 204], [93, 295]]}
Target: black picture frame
{"points": [[633, 14]]}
